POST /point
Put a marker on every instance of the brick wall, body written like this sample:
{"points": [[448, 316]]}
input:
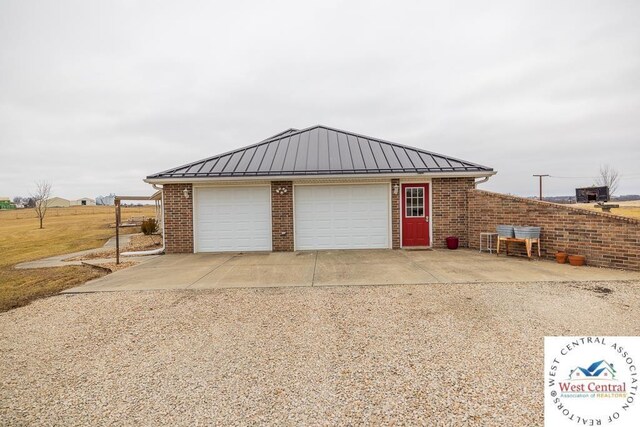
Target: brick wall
{"points": [[395, 215], [449, 210], [178, 218], [282, 216], [606, 240]]}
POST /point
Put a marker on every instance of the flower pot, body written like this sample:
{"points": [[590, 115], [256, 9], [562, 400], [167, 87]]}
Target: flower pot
{"points": [[452, 242], [561, 257], [576, 260]]}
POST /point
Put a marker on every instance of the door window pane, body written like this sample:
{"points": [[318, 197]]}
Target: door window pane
{"points": [[414, 202]]}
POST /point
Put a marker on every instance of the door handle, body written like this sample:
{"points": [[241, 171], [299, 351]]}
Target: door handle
{"points": [[426, 218]]}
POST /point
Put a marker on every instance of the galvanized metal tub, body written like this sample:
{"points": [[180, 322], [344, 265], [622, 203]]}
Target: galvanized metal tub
{"points": [[527, 232], [505, 230]]}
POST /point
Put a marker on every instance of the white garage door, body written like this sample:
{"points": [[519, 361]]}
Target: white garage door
{"points": [[341, 216], [233, 219]]}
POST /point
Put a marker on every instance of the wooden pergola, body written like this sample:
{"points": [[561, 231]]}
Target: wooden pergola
{"points": [[157, 197]]}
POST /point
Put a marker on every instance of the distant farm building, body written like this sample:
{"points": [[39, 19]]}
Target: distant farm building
{"points": [[592, 194], [85, 201], [58, 202]]}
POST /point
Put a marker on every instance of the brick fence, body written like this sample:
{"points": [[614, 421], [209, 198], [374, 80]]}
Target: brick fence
{"points": [[606, 240]]}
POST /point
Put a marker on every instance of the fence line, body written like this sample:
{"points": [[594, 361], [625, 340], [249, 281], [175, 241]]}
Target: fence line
{"points": [[84, 210]]}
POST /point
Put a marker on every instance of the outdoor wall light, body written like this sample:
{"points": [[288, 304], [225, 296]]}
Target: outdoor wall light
{"points": [[396, 189], [281, 190], [186, 193]]}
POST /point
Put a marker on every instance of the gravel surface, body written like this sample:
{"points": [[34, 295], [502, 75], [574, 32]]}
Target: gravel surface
{"points": [[433, 354]]}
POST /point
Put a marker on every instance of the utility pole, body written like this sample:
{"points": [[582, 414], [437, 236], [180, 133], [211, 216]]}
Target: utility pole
{"points": [[540, 176]]}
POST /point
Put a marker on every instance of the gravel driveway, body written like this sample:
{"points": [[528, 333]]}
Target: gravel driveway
{"points": [[442, 354]]}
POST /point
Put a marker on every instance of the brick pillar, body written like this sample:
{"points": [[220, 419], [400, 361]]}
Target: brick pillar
{"points": [[450, 212], [282, 216], [395, 215], [178, 218]]}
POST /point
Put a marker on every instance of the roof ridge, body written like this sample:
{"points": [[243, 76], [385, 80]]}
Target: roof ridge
{"points": [[283, 133], [290, 133], [432, 153]]}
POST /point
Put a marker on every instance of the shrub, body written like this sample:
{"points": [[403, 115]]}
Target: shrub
{"points": [[149, 226]]}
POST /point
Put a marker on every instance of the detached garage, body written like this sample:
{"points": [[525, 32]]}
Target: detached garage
{"points": [[316, 189]]}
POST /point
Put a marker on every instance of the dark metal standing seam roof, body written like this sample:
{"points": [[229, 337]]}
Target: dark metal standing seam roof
{"points": [[320, 150]]}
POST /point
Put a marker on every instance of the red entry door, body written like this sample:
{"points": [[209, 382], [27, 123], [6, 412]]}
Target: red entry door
{"points": [[415, 215]]}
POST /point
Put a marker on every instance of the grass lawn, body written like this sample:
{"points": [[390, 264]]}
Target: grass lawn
{"points": [[631, 212], [65, 230], [628, 209]]}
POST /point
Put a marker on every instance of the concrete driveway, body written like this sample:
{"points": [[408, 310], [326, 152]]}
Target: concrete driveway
{"points": [[339, 268]]}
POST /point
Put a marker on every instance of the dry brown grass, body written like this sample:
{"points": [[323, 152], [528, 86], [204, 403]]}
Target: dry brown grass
{"points": [[627, 209], [20, 287], [68, 230]]}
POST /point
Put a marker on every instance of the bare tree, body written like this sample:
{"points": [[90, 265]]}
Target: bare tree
{"points": [[41, 199], [609, 177]]}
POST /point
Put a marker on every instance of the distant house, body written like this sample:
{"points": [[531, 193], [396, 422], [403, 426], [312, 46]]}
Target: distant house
{"points": [[58, 202], [85, 201]]}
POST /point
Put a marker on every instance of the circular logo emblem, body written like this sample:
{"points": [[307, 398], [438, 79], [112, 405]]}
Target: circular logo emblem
{"points": [[591, 381]]}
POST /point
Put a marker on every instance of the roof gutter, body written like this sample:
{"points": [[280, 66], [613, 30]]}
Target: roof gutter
{"points": [[483, 180], [155, 181]]}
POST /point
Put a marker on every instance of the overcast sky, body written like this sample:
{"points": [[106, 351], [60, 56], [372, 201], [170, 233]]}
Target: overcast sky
{"points": [[94, 95]]}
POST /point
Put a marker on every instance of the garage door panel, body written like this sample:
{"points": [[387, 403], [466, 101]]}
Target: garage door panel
{"points": [[342, 216], [233, 219]]}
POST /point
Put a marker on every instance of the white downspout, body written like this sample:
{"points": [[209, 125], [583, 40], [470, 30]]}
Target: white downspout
{"points": [[482, 180], [155, 187]]}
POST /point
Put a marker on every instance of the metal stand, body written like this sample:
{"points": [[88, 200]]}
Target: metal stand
{"points": [[489, 240]]}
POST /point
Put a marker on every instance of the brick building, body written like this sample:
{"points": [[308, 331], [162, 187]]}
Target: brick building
{"points": [[317, 188]]}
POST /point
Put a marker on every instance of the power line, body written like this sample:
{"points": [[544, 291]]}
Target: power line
{"points": [[631, 175], [572, 177]]}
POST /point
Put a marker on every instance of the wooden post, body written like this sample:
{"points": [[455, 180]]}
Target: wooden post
{"points": [[540, 176], [540, 197], [117, 202]]}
